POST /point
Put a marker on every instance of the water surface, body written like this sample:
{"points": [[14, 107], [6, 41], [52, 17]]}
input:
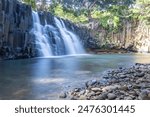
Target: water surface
{"points": [[46, 78]]}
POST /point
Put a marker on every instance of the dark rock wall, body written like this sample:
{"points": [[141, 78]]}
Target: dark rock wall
{"points": [[15, 24]]}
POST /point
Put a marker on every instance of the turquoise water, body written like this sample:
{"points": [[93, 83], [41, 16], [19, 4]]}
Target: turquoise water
{"points": [[46, 78]]}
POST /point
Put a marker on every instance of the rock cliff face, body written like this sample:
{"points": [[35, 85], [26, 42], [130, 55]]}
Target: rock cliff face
{"points": [[15, 24], [134, 36]]}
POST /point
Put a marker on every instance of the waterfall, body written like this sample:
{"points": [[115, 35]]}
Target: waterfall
{"points": [[70, 39], [54, 40], [41, 39]]}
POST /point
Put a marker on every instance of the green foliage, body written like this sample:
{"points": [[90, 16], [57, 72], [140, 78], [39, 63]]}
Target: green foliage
{"points": [[110, 13], [110, 18], [30, 2], [142, 11], [67, 13]]}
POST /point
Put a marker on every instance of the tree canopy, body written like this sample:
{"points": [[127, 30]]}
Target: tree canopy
{"points": [[107, 12]]}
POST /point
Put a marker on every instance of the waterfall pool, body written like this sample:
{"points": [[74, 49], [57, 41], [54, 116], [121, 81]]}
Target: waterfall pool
{"points": [[46, 78]]}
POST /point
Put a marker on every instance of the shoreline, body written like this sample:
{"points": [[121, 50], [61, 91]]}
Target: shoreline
{"points": [[131, 83], [109, 51]]}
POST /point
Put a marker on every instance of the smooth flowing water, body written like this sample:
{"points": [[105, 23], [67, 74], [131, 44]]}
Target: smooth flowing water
{"points": [[46, 78], [70, 39], [40, 36], [54, 40]]}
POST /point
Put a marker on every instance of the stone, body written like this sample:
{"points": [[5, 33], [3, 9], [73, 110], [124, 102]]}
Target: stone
{"points": [[74, 98], [122, 75], [111, 96], [96, 89], [77, 89], [82, 97], [90, 83], [91, 94], [149, 96], [103, 96], [127, 98], [82, 92], [133, 93], [63, 95], [140, 74], [110, 88], [144, 95], [124, 88]]}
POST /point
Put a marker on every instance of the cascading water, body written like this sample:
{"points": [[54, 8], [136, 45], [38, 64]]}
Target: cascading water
{"points": [[70, 39], [55, 41], [41, 39]]}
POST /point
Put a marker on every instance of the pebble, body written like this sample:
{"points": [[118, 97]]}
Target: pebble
{"points": [[102, 96], [149, 95], [124, 88], [63, 95], [127, 98], [140, 74], [122, 76], [111, 96], [96, 89], [82, 97]]}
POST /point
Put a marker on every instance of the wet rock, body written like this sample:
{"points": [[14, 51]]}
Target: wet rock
{"points": [[63, 95], [90, 83], [140, 74], [76, 89], [111, 96]]}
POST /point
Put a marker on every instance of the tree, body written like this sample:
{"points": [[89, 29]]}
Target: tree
{"points": [[30, 2]]}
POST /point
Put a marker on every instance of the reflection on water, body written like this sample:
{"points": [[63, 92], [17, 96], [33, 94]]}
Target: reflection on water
{"points": [[46, 78]]}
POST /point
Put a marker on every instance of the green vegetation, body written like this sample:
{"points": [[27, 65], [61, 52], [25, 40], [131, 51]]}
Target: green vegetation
{"points": [[69, 14], [109, 13], [143, 10], [30, 2]]}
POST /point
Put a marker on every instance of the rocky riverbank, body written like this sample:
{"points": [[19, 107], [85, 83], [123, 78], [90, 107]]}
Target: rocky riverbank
{"points": [[120, 84]]}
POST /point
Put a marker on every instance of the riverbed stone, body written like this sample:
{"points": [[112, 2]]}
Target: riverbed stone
{"points": [[111, 96], [96, 89], [140, 74], [127, 98], [82, 97], [124, 88], [63, 95]]}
